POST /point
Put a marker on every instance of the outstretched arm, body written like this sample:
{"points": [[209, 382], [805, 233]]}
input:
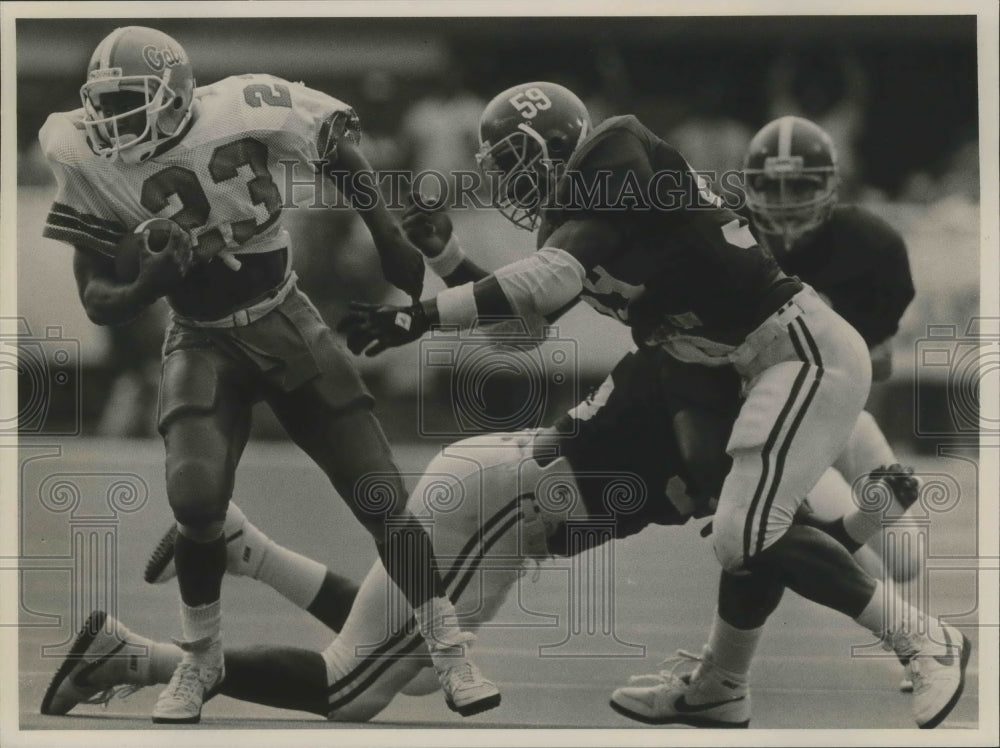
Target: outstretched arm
{"points": [[538, 286], [402, 264], [430, 229]]}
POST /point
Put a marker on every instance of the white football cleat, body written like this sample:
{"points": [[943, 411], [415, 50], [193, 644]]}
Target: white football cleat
{"points": [[195, 680], [246, 547], [705, 697], [937, 670], [466, 690], [102, 663]]}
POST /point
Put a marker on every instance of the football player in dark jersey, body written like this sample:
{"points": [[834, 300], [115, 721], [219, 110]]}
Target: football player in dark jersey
{"points": [[851, 257], [627, 226], [859, 266], [854, 259]]}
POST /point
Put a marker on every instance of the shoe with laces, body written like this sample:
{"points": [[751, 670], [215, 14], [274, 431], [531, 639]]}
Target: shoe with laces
{"points": [[466, 690], [704, 697], [196, 679], [103, 662], [937, 671], [246, 547]]}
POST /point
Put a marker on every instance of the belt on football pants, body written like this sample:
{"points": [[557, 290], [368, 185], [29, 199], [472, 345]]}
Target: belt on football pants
{"points": [[776, 325], [247, 315]]}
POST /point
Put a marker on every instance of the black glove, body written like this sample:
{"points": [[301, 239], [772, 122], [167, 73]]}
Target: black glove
{"points": [[384, 325]]}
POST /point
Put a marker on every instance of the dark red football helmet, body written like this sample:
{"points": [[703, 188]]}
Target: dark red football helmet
{"points": [[526, 135], [791, 178]]}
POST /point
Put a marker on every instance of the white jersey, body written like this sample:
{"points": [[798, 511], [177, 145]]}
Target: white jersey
{"points": [[222, 180]]}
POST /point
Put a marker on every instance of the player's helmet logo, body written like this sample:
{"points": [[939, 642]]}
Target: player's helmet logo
{"points": [[526, 135], [139, 93], [791, 178], [159, 58]]}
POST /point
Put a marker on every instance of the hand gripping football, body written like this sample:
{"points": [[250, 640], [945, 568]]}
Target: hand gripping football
{"points": [[155, 235]]}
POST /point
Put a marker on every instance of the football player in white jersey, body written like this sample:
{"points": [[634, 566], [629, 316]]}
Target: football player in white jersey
{"points": [[147, 144]]}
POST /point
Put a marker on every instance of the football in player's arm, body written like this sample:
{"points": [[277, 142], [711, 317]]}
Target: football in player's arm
{"points": [[148, 145], [110, 300]]}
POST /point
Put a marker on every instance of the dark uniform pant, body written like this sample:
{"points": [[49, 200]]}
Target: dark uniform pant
{"points": [[212, 377]]}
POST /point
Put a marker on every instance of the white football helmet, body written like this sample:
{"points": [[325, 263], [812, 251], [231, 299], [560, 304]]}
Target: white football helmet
{"points": [[138, 94]]}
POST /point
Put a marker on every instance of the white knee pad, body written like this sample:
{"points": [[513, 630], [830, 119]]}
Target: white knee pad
{"points": [[737, 512], [727, 532]]}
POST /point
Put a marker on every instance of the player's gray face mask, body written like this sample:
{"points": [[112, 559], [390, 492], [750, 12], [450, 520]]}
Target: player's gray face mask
{"points": [[791, 205], [525, 173]]}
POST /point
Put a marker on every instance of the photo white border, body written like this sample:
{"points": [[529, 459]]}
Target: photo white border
{"points": [[989, 82]]}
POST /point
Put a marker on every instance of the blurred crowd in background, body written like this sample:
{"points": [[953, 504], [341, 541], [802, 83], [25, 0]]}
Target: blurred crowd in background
{"points": [[898, 97]]}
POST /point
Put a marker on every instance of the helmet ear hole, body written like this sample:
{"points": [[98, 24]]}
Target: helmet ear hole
{"points": [[557, 145], [178, 102]]}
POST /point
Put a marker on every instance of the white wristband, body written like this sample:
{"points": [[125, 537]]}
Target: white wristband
{"points": [[450, 258], [457, 306]]}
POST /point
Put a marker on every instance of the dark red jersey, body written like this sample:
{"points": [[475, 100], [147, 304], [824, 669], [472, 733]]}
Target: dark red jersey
{"points": [[859, 263], [690, 276]]}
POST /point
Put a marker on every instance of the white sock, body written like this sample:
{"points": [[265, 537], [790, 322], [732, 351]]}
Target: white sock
{"points": [[875, 617], [293, 575], [289, 573], [163, 659], [438, 624], [732, 649], [201, 621], [887, 613], [339, 661]]}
